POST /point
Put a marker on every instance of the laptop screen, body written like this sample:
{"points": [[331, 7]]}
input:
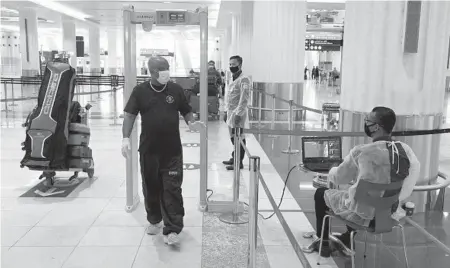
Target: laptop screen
{"points": [[321, 147]]}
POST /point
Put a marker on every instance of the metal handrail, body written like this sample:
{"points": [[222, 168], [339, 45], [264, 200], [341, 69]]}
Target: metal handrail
{"points": [[260, 91], [434, 187]]}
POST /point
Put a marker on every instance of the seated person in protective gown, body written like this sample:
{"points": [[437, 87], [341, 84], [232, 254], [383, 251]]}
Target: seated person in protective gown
{"points": [[382, 161]]}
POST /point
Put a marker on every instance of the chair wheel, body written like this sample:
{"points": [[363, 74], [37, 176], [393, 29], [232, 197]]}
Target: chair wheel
{"points": [[90, 173]]}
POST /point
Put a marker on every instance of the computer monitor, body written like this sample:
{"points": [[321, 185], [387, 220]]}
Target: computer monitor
{"points": [[321, 153]]}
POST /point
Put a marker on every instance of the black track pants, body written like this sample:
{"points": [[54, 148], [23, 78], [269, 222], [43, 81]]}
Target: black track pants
{"points": [[162, 176]]}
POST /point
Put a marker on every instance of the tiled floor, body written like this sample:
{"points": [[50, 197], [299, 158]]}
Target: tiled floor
{"points": [[90, 228]]}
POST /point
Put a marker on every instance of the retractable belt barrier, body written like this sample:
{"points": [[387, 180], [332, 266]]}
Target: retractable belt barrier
{"points": [[76, 94], [403, 133]]}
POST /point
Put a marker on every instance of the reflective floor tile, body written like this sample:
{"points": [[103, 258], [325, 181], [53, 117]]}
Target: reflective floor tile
{"points": [[21, 218], [11, 234], [71, 216], [102, 257], [113, 236], [36, 257], [168, 257], [58, 236], [122, 218]]}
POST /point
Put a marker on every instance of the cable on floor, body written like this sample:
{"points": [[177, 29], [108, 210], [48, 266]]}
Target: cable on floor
{"points": [[282, 195]]}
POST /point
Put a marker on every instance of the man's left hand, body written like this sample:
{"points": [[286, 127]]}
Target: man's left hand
{"points": [[196, 126]]}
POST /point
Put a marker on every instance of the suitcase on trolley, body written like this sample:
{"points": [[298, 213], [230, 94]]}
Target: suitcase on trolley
{"points": [[79, 152], [79, 135], [47, 135], [81, 163], [213, 104]]}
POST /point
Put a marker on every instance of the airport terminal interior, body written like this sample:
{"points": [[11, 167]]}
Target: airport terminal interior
{"points": [[316, 68]]}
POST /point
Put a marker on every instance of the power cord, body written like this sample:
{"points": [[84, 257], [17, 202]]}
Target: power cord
{"points": [[282, 195], [209, 196]]}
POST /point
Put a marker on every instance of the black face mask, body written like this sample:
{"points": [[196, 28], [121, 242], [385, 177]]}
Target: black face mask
{"points": [[367, 130], [234, 69]]}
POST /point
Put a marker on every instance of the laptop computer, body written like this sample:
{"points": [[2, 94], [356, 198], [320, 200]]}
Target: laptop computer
{"points": [[320, 154]]}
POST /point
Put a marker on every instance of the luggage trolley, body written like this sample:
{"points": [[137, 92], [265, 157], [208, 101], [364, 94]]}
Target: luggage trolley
{"points": [[330, 116], [79, 154]]}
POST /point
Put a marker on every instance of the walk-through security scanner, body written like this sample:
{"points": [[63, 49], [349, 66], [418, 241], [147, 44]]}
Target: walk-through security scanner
{"points": [[164, 18]]}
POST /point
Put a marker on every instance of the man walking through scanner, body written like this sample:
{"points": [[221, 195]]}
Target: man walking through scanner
{"points": [[159, 103]]}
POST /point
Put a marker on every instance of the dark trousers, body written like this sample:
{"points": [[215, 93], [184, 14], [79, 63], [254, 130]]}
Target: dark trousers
{"points": [[242, 150], [162, 176], [321, 210]]}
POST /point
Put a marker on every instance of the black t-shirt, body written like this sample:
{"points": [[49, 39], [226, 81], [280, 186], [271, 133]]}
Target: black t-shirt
{"points": [[160, 120]]}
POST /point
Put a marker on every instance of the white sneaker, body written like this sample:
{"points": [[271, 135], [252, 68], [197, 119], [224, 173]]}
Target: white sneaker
{"points": [[154, 229], [171, 239]]}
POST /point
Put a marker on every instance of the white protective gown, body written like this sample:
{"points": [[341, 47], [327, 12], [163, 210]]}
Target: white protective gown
{"points": [[237, 101], [372, 162]]}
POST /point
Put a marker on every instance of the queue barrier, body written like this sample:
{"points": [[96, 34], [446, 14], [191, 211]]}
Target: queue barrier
{"points": [[257, 178]]}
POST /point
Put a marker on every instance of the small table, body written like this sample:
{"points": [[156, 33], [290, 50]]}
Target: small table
{"points": [[320, 179]]}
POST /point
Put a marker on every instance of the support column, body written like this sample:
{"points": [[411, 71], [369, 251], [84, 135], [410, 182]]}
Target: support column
{"points": [[94, 50], [380, 73], [278, 49], [246, 34], [69, 40], [112, 52], [225, 42], [29, 44], [235, 24]]}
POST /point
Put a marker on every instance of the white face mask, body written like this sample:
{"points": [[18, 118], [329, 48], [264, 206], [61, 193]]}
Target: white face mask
{"points": [[164, 77]]}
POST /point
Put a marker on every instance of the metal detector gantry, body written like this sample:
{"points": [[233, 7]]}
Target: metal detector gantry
{"points": [[164, 18]]}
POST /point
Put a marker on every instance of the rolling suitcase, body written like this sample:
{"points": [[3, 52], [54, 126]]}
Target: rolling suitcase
{"points": [[79, 152], [83, 163], [79, 135]]}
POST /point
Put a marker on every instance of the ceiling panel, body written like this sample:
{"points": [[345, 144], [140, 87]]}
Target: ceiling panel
{"points": [[109, 13]]}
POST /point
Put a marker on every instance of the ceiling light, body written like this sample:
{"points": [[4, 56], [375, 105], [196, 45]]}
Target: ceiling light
{"points": [[167, 2], [10, 28], [62, 8], [10, 10], [10, 18]]}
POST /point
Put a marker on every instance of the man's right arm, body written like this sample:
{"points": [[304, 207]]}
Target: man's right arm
{"points": [[131, 110], [128, 123], [346, 172]]}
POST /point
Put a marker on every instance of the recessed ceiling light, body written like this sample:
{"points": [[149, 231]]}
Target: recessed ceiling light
{"points": [[167, 2], [10, 10]]}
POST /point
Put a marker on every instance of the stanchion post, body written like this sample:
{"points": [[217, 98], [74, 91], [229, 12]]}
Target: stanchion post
{"points": [[6, 97], [237, 168], [289, 150], [12, 96], [273, 116], [273, 111], [115, 115], [236, 217], [253, 211], [259, 108]]}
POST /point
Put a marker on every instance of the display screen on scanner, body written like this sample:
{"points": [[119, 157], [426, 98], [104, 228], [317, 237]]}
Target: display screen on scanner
{"points": [[321, 147]]}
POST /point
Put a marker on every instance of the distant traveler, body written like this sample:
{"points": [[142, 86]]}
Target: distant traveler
{"points": [[159, 103], [237, 106], [383, 161]]}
